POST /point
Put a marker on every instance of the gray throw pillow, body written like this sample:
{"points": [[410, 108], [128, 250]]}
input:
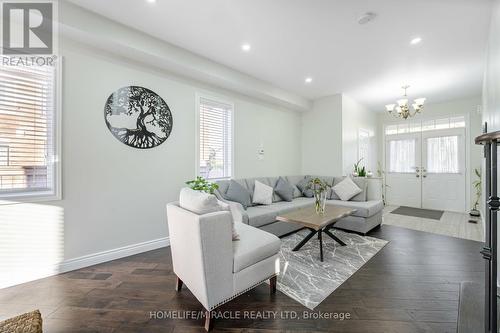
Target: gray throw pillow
{"points": [[284, 189], [302, 186], [236, 192]]}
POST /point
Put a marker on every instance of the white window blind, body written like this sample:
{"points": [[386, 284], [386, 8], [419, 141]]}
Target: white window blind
{"points": [[442, 154], [27, 127], [402, 155], [215, 139]]}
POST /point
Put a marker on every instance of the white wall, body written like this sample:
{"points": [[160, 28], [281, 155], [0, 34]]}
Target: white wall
{"points": [[113, 195], [322, 137], [355, 117], [467, 107]]}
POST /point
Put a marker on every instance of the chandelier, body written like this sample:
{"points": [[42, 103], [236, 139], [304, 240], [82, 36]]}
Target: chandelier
{"points": [[402, 108]]}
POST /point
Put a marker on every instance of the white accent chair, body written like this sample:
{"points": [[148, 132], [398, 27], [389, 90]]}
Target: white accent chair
{"points": [[213, 267]]}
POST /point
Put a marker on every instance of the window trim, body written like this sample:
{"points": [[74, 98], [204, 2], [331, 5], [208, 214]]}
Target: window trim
{"points": [[54, 194], [223, 100]]}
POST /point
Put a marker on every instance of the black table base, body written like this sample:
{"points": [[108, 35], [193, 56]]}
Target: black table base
{"points": [[320, 238]]}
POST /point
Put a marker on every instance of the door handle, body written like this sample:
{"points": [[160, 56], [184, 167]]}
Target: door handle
{"points": [[417, 175]]}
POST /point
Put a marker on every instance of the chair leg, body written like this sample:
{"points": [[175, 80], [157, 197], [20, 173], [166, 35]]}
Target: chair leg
{"points": [[178, 284], [209, 321], [272, 285]]}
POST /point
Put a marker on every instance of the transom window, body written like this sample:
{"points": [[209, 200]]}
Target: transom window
{"points": [[425, 125], [215, 138]]}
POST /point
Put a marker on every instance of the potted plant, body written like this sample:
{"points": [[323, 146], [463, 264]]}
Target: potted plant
{"points": [[477, 184], [201, 184], [358, 170], [319, 188]]}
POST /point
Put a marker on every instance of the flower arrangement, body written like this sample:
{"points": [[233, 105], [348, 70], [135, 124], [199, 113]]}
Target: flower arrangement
{"points": [[319, 188]]}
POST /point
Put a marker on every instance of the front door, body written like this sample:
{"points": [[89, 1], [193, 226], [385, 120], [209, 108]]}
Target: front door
{"points": [[443, 169], [427, 169], [403, 154]]}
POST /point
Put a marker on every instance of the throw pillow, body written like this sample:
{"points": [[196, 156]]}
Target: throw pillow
{"points": [[302, 185], [284, 189], [226, 206], [262, 194], [203, 203], [198, 202], [236, 192], [346, 189]]}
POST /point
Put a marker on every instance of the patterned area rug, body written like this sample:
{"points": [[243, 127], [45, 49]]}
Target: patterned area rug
{"points": [[309, 281]]}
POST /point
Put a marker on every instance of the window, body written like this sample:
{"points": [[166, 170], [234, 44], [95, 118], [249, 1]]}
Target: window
{"points": [[402, 155], [27, 131], [442, 154], [364, 147], [215, 139], [426, 125]]}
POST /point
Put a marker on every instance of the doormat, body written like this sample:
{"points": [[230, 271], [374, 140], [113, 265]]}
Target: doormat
{"points": [[419, 212]]}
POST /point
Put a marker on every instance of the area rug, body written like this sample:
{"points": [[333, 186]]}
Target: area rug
{"points": [[309, 281], [419, 212]]}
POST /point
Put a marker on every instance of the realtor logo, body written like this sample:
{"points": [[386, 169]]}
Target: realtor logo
{"points": [[27, 28]]}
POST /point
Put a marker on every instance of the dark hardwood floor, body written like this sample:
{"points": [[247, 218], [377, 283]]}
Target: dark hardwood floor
{"points": [[412, 285]]}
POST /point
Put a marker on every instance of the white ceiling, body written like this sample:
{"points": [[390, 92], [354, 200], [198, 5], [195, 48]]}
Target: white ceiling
{"points": [[294, 39]]}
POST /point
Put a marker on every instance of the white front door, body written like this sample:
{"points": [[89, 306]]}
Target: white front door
{"points": [[427, 169], [403, 159], [443, 169]]}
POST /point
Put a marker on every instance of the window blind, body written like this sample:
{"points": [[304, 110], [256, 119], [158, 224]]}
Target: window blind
{"points": [[215, 139], [27, 105]]}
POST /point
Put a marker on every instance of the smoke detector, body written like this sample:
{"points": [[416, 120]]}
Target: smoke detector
{"points": [[366, 17]]}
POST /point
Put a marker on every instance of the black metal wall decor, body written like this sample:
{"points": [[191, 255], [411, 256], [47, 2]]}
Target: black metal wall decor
{"points": [[490, 141], [138, 117]]}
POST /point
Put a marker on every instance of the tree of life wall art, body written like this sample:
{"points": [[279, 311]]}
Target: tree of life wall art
{"points": [[138, 117]]}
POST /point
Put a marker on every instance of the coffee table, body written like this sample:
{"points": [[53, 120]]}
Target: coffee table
{"points": [[317, 223]]}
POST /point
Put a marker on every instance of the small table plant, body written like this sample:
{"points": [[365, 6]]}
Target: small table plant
{"points": [[319, 189]]}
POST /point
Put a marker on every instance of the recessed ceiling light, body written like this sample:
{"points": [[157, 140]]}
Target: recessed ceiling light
{"points": [[416, 40], [308, 80], [366, 17], [246, 47], [151, 1]]}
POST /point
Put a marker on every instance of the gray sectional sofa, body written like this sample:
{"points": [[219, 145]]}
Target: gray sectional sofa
{"points": [[368, 205]]}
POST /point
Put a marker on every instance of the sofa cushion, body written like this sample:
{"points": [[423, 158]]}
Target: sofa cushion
{"points": [[363, 208], [346, 189], [303, 187], [254, 246], [199, 202], [262, 194], [203, 203], [362, 183], [262, 215], [236, 192], [293, 180], [284, 189]]}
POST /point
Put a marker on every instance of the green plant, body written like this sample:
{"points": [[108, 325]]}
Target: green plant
{"points": [[381, 174], [360, 171], [201, 184], [318, 187], [477, 184]]}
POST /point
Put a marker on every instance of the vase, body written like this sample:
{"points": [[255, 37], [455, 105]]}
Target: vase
{"points": [[320, 202]]}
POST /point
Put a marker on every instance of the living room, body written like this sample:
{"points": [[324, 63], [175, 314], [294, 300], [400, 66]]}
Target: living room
{"points": [[360, 211]]}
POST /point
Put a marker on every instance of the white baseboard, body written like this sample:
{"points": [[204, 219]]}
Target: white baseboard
{"points": [[104, 256], [85, 261]]}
